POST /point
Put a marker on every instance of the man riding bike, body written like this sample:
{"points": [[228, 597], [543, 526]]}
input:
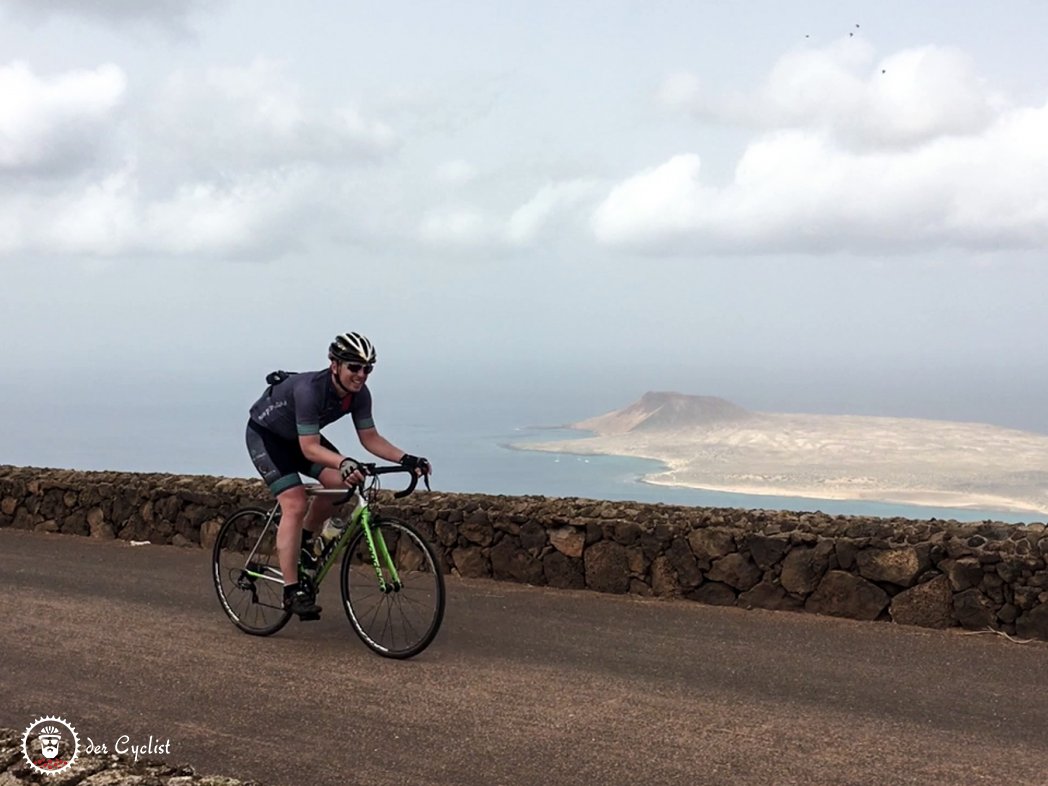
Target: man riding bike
{"points": [[284, 441]]}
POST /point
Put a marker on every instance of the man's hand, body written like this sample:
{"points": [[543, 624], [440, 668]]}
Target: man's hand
{"points": [[352, 474], [420, 465]]}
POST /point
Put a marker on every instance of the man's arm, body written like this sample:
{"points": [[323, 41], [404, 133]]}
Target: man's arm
{"points": [[377, 445], [313, 450]]}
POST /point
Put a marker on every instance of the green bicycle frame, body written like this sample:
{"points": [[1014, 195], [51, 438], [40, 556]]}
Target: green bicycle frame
{"points": [[361, 519]]}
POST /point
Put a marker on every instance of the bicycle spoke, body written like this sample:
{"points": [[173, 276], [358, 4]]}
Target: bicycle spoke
{"points": [[375, 612], [402, 622], [407, 621], [247, 574]]}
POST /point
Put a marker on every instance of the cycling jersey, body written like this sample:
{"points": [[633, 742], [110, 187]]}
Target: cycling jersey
{"points": [[304, 403], [280, 461], [300, 405]]}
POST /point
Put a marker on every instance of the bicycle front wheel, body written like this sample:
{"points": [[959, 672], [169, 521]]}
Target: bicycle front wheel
{"points": [[247, 572], [402, 619]]}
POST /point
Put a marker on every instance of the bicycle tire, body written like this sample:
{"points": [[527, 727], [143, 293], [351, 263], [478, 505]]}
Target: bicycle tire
{"points": [[421, 598], [254, 605]]}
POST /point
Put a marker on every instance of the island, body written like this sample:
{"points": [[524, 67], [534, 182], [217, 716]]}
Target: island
{"points": [[709, 443]]}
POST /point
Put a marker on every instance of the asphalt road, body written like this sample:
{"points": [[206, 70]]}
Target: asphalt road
{"points": [[522, 686]]}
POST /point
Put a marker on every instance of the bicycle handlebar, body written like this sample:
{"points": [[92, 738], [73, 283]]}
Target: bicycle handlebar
{"points": [[375, 470]]}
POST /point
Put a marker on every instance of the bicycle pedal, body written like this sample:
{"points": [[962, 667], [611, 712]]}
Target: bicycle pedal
{"points": [[310, 616]]}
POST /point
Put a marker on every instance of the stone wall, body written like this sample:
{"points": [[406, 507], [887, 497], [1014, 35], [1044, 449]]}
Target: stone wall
{"points": [[931, 573]]}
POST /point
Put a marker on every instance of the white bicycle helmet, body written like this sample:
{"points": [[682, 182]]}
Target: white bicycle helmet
{"points": [[352, 348]]}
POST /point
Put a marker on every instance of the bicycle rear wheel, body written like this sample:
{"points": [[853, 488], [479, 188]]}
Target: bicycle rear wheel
{"points": [[401, 621], [247, 572]]}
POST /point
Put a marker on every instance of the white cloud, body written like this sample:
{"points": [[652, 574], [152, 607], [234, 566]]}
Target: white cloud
{"points": [[100, 220], [369, 135], [56, 124], [557, 210], [172, 15], [223, 161], [254, 117], [664, 202], [801, 191], [903, 99], [922, 94], [93, 218], [551, 207], [1002, 196], [455, 173], [255, 217], [247, 160], [908, 152], [682, 90], [460, 226]]}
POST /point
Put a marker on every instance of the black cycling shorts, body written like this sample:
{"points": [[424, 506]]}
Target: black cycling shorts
{"points": [[280, 462]]}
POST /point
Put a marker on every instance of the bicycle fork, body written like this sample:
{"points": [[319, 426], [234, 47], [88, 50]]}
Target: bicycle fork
{"points": [[380, 556]]}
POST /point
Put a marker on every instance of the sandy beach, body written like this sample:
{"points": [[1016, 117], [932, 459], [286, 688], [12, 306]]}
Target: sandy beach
{"points": [[708, 443]]}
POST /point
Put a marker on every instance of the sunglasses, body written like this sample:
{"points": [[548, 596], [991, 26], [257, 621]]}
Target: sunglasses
{"points": [[356, 368]]}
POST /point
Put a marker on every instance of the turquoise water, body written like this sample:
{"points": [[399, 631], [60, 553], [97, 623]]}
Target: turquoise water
{"points": [[202, 432], [620, 478]]}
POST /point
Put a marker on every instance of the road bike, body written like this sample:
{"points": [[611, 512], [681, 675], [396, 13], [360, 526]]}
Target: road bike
{"points": [[391, 582]]}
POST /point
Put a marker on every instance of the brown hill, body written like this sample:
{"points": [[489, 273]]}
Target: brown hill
{"points": [[665, 412]]}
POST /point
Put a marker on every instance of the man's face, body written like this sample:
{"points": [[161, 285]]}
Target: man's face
{"points": [[351, 376], [49, 745]]}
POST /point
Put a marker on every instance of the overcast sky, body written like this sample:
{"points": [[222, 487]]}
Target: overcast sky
{"points": [[715, 197]]}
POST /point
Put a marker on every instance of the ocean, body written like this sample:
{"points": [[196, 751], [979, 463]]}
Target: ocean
{"points": [[195, 429], [493, 467]]}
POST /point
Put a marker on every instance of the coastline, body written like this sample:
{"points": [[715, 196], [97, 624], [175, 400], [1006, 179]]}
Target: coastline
{"points": [[735, 461], [924, 499]]}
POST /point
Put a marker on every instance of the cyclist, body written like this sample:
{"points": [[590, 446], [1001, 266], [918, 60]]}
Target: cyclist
{"points": [[284, 441]]}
